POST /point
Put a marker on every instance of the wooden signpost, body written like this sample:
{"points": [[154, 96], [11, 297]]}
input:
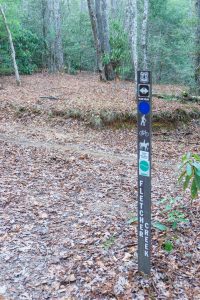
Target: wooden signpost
{"points": [[144, 102]]}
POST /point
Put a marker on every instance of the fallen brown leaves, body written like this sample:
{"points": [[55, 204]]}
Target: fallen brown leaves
{"points": [[84, 92], [67, 193]]}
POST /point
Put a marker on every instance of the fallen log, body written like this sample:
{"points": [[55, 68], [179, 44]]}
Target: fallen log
{"points": [[183, 98], [49, 97]]}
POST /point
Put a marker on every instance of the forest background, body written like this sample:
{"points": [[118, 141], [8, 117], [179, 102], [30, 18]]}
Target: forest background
{"points": [[57, 36]]}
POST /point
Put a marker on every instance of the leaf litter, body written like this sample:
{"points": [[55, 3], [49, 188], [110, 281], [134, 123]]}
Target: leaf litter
{"points": [[67, 195]]}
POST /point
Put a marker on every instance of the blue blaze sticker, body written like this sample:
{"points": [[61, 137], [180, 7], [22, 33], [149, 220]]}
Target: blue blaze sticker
{"points": [[144, 107]]}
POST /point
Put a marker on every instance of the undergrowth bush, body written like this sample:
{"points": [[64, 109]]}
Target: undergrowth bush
{"points": [[190, 173], [27, 48]]}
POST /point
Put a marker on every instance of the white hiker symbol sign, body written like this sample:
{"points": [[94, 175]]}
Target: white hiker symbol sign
{"points": [[143, 121], [144, 146]]}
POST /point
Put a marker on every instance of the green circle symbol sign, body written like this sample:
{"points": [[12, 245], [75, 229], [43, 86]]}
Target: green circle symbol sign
{"points": [[144, 165]]}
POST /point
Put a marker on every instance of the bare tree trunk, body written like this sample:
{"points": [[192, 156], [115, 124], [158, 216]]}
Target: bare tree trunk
{"points": [[133, 30], [97, 42], [44, 33], [158, 61], [100, 28], [58, 36], [83, 6], [99, 23], [197, 60], [191, 9], [83, 11], [49, 31], [114, 8], [145, 33], [127, 17], [106, 41], [11, 47], [54, 35]]}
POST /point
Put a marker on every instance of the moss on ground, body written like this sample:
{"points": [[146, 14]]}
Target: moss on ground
{"points": [[115, 119]]}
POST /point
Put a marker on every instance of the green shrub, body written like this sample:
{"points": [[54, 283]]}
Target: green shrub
{"points": [[172, 213], [27, 46], [120, 54], [28, 51], [190, 173]]}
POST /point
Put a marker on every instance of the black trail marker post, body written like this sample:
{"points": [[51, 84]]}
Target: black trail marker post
{"points": [[144, 91]]}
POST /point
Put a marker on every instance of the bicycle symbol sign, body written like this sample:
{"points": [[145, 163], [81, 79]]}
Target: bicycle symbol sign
{"points": [[144, 133]]}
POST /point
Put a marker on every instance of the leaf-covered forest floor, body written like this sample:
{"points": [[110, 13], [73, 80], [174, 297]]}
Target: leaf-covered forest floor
{"points": [[68, 192]]}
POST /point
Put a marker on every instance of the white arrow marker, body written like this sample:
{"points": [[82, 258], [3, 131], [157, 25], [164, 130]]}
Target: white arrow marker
{"points": [[144, 91]]}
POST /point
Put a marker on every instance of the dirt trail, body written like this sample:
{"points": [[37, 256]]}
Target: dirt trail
{"points": [[81, 149]]}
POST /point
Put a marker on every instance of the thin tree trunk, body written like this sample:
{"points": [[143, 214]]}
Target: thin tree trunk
{"points": [[54, 36], [127, 20], [197, 60], [114, 8], [44, 33], [83, 6], [93, 20], [99, 23], [133, 30], [11, 47], [106, 36], [49, 24], [83, 11], [158, 60], [145, 33], [106, 41], [191, 9], [58, 36]]}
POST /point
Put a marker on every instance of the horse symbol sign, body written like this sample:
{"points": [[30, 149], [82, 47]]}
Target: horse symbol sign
{"points": [[144, 146]]}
